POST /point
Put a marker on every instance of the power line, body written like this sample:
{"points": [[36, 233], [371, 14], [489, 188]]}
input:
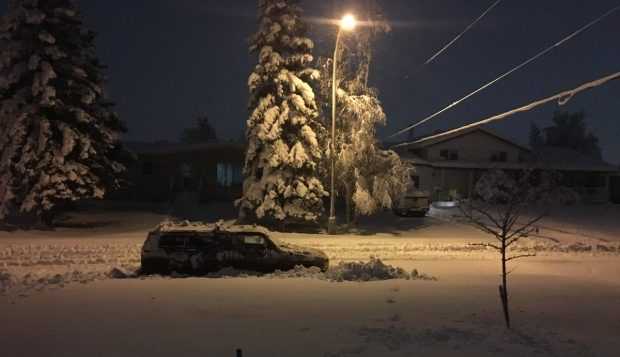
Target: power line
{"points": [[562, 99], [453, 41], [507, 73]]}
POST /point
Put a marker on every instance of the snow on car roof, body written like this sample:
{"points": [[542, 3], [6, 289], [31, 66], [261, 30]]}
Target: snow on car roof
{"points": [[198, 226]]}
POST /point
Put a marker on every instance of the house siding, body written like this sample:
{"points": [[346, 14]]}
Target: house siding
{"points": [[162, 175], [475, 147]]}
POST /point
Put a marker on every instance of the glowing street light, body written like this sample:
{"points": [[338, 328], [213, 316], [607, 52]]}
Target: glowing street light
{"points": [[347, 23]]}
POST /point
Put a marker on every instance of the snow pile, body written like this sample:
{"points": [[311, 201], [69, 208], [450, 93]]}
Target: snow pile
{"points": [[299, 272], [116, 273], [372, 270]]}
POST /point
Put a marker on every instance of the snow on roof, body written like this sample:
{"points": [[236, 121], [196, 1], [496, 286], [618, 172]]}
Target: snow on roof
{"points": [[486, 130]]}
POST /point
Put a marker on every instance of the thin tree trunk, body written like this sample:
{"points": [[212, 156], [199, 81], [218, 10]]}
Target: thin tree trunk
{"points": [[47, 217], [503, 289]]}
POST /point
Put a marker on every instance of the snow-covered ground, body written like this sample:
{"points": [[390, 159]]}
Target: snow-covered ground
{"points": [[60, 292]]}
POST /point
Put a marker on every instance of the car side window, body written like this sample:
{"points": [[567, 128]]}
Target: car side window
{"points": [[201, 241], [222, 240], [172, 240], [236, 241], [254, 242]]}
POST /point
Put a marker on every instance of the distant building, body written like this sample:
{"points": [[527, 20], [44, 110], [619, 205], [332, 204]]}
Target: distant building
{"points": [[184, 173], [614, 188], [452, 164]]}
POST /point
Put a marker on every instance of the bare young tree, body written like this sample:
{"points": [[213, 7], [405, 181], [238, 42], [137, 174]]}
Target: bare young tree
{"points": [[496, 206]]}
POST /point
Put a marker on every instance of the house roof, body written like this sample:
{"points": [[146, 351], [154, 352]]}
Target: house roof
{"points": [[164, 147], [569, 160], [435, 141], [565, 159]]}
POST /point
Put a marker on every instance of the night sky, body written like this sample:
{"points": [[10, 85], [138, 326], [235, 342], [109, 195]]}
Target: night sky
{"points": [[171, 61]]}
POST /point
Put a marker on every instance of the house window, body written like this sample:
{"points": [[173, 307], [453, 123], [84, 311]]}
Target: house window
{"points": [[499, 156], [147, 168], [229, 174], [450, 155], [416, 181]]}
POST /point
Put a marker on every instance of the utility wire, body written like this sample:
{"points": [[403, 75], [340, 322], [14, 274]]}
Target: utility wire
{"points": [[453, 41], [562, 99], [507, 73]]}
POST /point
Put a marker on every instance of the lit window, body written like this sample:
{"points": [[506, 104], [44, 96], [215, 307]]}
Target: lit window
{"points": [[229, 174]]}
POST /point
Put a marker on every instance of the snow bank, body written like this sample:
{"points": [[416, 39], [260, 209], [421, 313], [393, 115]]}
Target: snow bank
{"points": [[590, 223], [373, 270], [21, 282]]}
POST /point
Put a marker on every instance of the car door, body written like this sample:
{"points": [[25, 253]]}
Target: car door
{"points": [[174, 244], [201, 247], [255, 249], [229, 250]]}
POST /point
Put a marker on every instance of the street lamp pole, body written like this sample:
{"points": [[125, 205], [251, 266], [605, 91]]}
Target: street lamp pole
{"points": [[347, 23]]}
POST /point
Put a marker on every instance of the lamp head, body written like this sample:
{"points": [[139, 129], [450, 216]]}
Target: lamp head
{"points": [[347, 22]]}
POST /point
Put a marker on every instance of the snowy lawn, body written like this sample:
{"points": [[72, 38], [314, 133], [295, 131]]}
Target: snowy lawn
{"points": [[56, 286]]}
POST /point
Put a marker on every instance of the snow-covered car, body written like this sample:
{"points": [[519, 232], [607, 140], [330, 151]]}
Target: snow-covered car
{"points": [[414, 203], [199, 248]]}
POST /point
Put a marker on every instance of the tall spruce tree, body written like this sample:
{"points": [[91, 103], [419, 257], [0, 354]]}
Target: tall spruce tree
{"points": [[60, 137], [282, 163]]}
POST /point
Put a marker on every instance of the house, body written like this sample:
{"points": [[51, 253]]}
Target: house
{"points": [[184, 173], [452, 164], [614, 188]]}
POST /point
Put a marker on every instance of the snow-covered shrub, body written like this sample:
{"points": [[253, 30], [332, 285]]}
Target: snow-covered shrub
{"points": [[284, 132]]}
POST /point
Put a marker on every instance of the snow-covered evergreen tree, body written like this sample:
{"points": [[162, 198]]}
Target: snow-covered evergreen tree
{"points": [[60, 138], [284, 131], [367, 176]]}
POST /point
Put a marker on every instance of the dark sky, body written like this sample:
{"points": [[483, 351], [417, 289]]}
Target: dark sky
{"points": [[171, 61]]}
